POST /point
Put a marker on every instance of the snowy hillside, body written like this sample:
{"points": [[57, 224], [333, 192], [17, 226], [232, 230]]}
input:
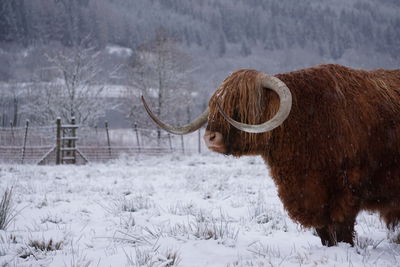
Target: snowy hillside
{"points": [[174, 210], [204, 40]]}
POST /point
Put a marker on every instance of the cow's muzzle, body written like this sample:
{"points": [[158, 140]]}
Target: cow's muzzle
{"points": [[215, 141]]}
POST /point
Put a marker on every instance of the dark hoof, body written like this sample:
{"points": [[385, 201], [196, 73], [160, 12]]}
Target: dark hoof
{"points": [[331, 235]]}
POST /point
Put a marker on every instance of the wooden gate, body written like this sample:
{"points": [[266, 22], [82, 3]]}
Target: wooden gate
{"points": [[65, 150]]}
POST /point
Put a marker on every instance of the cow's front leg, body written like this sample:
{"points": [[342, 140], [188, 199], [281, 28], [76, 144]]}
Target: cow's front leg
{"points": [[339, 232]]}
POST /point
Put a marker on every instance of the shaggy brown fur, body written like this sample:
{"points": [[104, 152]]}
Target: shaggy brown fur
{"points": [[337, 153]]}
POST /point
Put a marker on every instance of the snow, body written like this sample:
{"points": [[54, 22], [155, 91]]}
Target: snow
{"points": [[208, 209], [118, 50]]}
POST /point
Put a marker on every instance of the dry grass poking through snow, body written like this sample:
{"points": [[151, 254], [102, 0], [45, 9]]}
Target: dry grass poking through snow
{"points": [[7, 209], [175, 210]]}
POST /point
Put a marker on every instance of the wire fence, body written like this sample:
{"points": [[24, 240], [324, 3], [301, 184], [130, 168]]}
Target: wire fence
{"points": [[36, 144]]}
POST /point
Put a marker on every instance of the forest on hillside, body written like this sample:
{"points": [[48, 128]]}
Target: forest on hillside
{"points": [[214, 37], [326, 26]]}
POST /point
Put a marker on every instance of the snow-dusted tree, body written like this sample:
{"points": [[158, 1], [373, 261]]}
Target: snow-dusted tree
{"points": [[160, 72], [10, 103], [78, 91]]}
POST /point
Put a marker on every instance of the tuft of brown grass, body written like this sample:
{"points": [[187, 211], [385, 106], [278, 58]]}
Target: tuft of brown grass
{"points": [[46, 245]]}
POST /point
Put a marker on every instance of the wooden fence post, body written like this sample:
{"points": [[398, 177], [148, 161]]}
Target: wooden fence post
{"points": [[199, 143], [182, 145], [108, 138], [137, 137], [97, 136], [73, 140], [25, 137], [58, 141], [170, 142], [12, 132]]}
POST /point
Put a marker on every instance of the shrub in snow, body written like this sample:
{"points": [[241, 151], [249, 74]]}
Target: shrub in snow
{"points": [[51, 219], [7, 209], [131, 203], [204, 226], [153, 257], [44, 245], [38, 248], [182, 208], [135, 204]]}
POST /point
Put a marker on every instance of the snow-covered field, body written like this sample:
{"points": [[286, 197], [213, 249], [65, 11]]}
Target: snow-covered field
{"points": [[172, 210]]}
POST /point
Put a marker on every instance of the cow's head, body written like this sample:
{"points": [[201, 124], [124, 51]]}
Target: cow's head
{"points": [[252, 102]]}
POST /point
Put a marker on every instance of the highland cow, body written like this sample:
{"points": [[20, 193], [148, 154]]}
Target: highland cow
{"points": [[329, 134]]}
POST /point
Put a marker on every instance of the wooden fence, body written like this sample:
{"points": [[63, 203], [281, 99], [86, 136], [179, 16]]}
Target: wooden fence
{"points": [[38, 145]]}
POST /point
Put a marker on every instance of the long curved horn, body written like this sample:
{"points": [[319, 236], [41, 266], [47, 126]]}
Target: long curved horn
{"points": [[180, 130], [285, 97]]}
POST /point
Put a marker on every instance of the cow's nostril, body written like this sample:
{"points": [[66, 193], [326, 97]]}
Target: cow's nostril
{"points": [[214, 141], [212, 136]]}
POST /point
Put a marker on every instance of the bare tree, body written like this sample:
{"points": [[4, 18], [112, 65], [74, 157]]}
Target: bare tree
{"points": [[10, 103], [78, 92], [44, 102], [160, 72]]}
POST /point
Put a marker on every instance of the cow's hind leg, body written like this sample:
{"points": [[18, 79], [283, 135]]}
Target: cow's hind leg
{"points": [[391, 218], [339, 232]]}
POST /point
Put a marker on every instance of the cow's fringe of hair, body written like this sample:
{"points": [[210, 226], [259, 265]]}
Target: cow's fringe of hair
{"points": [[242, 98]]}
